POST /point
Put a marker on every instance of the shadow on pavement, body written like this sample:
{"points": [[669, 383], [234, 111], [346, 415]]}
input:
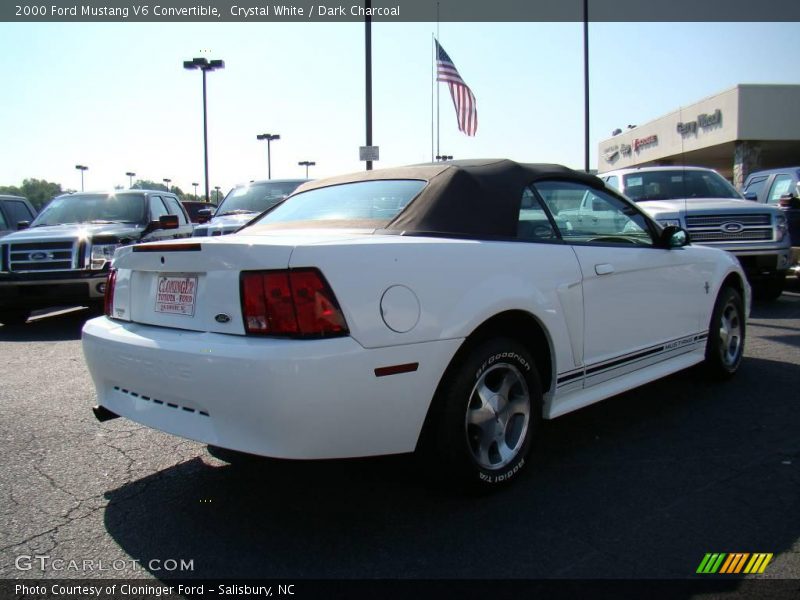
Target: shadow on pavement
{"points": [[639, 486], [61, 325]]}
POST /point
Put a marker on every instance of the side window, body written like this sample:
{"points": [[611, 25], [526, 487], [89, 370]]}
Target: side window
{"points": [[175, 209], [157, 208], [533, 224], [780, 186], [18, 211], [598, 218], [613, 182], [755, 186]]}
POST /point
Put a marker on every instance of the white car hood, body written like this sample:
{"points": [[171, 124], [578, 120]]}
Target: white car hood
{"points": [[698, 206]]}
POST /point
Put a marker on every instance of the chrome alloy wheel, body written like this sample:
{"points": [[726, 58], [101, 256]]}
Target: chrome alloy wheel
{"points": [[498, 416], [730, 334]]}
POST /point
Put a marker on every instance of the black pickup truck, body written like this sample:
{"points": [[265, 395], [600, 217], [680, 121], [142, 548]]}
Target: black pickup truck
{"points": [[63, 258]]}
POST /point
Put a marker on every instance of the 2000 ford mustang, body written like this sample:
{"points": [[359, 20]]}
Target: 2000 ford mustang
{"points": [[443, 308]]}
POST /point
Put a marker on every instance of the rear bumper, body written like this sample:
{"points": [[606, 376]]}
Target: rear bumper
{"points": [[299, 399]]}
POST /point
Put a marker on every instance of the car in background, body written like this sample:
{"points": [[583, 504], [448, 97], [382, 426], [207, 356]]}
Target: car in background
{"points": [[439, 308], [781, 188], [63, 258], [715, 214], [199, 212], [245, 202], [15, 212]]}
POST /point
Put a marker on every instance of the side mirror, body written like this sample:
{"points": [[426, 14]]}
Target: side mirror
{"points": [[168, 222], [789, 201], [204, 215], [751, 196], [674, 237], [23, 225]]}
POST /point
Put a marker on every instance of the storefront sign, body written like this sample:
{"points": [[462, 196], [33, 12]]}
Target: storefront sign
{"points": [[703, 121], [640, 143]]}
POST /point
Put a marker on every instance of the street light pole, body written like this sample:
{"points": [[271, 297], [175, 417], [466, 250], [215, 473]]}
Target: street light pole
{"points": [[195, 189], [269, 137], [130, 175], [81, 168], [204, 65], [216, 187], [306, 164], [167, 181]]}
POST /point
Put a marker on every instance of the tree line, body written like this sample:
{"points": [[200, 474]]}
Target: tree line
{"points": [[39, 191]]}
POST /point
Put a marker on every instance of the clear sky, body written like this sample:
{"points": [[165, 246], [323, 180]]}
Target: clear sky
{"points": [[115, 97]]}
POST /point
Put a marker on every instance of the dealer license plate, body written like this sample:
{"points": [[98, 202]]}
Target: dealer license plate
{"points": [[176, 294]]}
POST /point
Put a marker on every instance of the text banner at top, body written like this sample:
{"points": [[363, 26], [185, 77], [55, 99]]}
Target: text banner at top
{"points": [[174, 11]]}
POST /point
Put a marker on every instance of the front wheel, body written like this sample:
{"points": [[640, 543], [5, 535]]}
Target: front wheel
{"points": [[487, 410], [726, 334]]}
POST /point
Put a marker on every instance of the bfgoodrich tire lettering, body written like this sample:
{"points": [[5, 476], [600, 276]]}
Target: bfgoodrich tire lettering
{"points": [[487, 410], [726, 334]]}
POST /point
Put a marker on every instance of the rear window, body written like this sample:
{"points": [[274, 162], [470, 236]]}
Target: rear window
{"points": [[256, 197], [93, 208], [360, 205]]}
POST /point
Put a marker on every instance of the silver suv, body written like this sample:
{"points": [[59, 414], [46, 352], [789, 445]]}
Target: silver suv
{"points": [[701, 201]]}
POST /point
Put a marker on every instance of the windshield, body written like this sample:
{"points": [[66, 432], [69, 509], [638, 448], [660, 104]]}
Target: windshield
{"points": [[363, 205], [678, 183], [93, 208], [256, 197]]}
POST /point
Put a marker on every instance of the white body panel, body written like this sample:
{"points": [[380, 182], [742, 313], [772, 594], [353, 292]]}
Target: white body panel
{"points": [[606, 333]]}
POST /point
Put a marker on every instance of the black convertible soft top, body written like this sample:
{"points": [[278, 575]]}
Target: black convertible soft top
{"points": [[476, 198]]}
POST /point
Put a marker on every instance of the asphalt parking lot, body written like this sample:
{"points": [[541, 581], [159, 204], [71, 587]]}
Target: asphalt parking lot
{"points": [[640, 486]]}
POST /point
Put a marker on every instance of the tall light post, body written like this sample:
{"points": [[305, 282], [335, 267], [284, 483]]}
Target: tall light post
{"points": [[216, 187], [270, 138], [195, 189], [81, 168], [204, 65], [306, 164], [167, 181], [130, 175]]}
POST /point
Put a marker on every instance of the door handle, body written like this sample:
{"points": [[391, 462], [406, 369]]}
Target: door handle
{"points": [[604, 269]]}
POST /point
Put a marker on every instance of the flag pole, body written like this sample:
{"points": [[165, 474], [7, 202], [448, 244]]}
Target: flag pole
{"points": [[437, 87], [433, 84]]}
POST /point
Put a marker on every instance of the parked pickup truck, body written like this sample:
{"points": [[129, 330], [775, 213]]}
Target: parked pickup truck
{"points": [[64, 256], [781, 188], [712, 211], [13, 211]]}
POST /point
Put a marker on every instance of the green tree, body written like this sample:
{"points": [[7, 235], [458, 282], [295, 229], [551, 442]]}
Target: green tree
{"points": [[38, 191]]}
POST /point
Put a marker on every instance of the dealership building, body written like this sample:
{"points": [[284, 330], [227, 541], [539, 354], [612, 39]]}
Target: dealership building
{"points": [[743, 129]]}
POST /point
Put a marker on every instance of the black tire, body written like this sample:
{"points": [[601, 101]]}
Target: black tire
{"points": [[726, 334], [769, 289], [480, 441], [14, 317]]}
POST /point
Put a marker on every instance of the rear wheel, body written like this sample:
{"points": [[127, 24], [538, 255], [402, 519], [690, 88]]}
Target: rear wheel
{"points": [[726, 334], [487, 410], [14, 317]]}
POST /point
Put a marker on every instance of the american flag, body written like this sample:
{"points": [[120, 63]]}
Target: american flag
{"points": [[463, 98]]}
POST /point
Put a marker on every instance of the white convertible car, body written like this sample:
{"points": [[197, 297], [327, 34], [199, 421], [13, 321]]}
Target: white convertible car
{"points": [[440, 308]]}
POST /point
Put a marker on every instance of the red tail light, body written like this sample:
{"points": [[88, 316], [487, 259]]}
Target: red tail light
{"points": [[295, 303], [108, 299]]}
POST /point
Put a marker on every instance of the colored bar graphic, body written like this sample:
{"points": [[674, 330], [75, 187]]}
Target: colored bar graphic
{"points": [[758, 563], [733, 563]]}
